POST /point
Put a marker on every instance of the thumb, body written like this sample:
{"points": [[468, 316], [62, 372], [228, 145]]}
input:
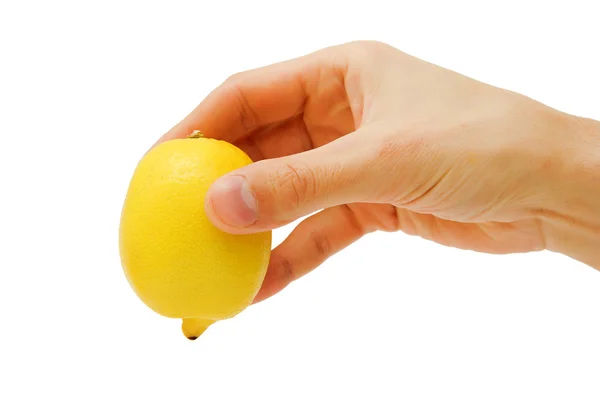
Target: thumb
{"points": [[271, 193]]}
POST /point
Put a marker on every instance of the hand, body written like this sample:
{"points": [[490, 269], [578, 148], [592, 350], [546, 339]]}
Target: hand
{"points": [[379, 140]]}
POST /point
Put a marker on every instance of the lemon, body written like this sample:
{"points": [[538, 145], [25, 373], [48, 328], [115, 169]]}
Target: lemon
{"points": [[176, 261]]}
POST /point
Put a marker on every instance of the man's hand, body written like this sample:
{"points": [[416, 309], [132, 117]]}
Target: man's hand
{"points": [[379, 140]]}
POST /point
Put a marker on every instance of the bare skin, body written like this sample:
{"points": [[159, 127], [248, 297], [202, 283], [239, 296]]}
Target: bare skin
{"points": [[375, 139]]}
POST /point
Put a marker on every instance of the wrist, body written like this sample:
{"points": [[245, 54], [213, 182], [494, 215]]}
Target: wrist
{"points": [[570, 218]]}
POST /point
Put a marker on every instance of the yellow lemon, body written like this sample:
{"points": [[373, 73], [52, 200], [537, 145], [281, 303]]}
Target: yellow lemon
{"points": [[177, 262]]}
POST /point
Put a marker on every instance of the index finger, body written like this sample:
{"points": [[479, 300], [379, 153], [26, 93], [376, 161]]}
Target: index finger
{"points": [[257, 98]]}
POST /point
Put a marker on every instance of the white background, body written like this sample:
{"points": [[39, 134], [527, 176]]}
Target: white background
{"points": [[87, 87]]}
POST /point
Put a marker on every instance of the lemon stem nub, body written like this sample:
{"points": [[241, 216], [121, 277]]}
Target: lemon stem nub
{"points": [[194, 327], [196, 135]]}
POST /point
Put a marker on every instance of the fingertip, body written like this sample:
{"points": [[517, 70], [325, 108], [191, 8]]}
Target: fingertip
{"points": [[231, 203], [213, 217]]}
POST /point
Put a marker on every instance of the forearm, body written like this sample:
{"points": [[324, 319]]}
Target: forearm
{"points": [[571, 220]]}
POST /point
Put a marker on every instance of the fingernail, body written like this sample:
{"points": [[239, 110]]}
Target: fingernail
{"points": [[233, 201]]}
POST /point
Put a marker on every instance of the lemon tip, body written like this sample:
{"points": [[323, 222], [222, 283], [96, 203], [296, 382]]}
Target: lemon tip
{"points": [[194, 327]]}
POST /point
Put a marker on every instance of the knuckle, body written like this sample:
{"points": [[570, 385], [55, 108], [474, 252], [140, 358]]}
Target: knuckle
{"points": [[369, 51], [234, 91], [389, 218], [285, 268], [322, 245], [367, 45], [293, 184], [233, 79]]}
